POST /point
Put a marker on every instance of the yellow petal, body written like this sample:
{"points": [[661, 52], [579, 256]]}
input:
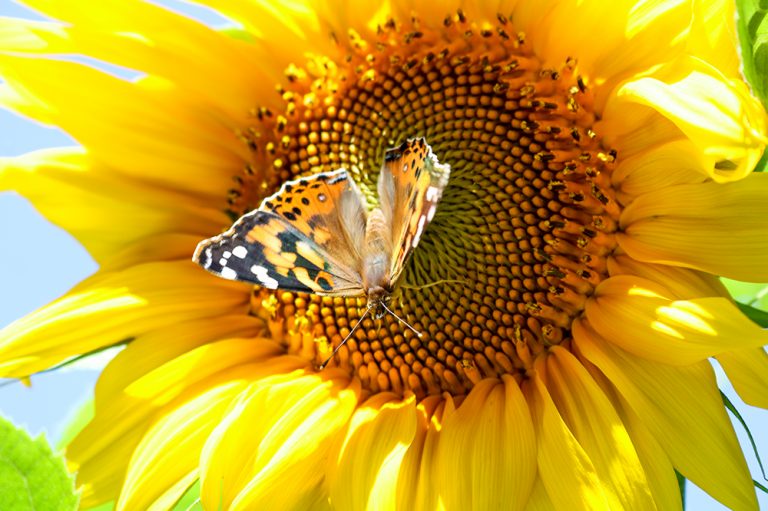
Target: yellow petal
{"points": [[658, 167], [298, 21], [579, 487], [19, 35], [275, 437], [487, 456], [683, 283], [658, 468], [379, 434], [174, 347], [157, 367], [594, 422], [725, 231], [110, 308], [682, 409], [417, 483], [170, 450], [164, 247], [713, 40], [748, 372], [539, 499], [171, 496], [127, 403], [58, 184], [154, 40], [152, 133], [643, 318], [718, 115], [634, 36]]}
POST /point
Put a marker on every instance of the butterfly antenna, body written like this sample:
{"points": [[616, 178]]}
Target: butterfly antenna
{"points": [[401, 320], [359, 322]]}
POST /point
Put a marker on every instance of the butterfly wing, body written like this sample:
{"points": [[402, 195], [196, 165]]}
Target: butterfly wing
{"points": [[329, 209], [298, 240], [410, 185]]}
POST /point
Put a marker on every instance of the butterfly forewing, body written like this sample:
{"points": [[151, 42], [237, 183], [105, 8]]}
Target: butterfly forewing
{"points": [[298, 240], [329, 209], [410, 186]]}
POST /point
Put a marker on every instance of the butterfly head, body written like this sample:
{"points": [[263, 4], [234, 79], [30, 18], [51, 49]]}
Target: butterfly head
{"points": [[378, 301]]}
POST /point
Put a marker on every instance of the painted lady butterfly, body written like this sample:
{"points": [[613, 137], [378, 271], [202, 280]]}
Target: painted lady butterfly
{"points": [[315, 235]]}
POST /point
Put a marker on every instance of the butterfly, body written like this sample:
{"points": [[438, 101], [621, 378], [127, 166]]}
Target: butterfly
{"points": [[316, 235]]}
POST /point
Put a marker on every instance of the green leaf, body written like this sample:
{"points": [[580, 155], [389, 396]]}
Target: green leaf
{"points": [[758, 316], [746, 292], [762, 165], [107, 506], [190, 501], [681, 484], [32, 477], [731, 408], [760, 487], [753, 35]]}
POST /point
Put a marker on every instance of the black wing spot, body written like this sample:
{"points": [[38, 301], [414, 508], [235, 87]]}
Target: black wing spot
{"points": [[290, 216], [287, 242], [288, 187], [296, 211], [260, 218], [305, 201], [323, 282]]}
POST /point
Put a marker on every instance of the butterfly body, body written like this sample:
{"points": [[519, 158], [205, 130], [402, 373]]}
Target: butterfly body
{"points": [[315, 235]]}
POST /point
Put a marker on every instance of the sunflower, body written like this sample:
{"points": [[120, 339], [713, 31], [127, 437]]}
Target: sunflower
{"points": [[567, 288]]}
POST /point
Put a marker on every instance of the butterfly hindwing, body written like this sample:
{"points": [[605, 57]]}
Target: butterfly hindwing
{"points": [[410, 185], [266, 249]]}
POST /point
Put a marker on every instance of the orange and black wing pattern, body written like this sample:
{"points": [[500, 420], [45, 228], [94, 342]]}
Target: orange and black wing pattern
{"points": [[410, 186], [329, 209], [282, 246]]}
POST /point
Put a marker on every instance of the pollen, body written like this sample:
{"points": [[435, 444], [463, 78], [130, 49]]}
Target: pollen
{"points": [[520, 238]]}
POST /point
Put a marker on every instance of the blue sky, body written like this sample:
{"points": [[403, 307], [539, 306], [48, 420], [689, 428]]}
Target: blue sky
{"points": [[39, 262]]}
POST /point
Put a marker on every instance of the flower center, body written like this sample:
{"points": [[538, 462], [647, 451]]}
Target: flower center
{"points": [[521, 235]]}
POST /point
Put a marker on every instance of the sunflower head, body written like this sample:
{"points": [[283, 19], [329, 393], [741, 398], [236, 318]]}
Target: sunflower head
{"points": [[522, 233]]}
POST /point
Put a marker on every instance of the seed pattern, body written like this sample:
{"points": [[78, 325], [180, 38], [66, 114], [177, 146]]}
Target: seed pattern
{"points": [[522, 233]]}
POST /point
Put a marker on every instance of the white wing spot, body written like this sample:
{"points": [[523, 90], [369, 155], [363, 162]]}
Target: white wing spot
{"points": [[432, 193], [240, 251], [208, 258], [226, 254], [263, 276], [419, 230], [223, 261], [228, 273], [321, 197], [431, 212]]}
